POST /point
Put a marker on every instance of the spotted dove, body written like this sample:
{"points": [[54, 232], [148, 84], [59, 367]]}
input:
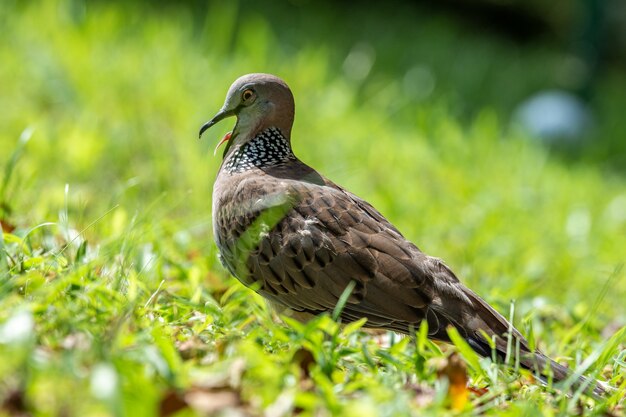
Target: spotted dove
{"points": [[299, 239]]}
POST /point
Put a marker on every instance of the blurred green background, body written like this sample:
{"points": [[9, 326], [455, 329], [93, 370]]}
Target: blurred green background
{"points": [[406, 104], [411, 105]]}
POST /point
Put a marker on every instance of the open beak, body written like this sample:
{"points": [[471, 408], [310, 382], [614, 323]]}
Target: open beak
{"points": [[222, 114]]}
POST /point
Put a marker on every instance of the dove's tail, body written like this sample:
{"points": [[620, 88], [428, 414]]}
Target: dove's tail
{"points": [[546, 367], [492, 323]]}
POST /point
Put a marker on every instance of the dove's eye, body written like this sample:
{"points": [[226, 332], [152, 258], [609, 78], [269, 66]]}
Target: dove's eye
{"points": [[248, 95]]}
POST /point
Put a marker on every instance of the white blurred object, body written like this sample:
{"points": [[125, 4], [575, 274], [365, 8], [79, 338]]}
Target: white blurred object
{"points": [[359, 61], [17, 329], [104, 381], [554, 116]]}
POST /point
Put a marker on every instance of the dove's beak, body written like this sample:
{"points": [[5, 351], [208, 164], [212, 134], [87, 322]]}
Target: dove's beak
{"points": [[222, 114]]}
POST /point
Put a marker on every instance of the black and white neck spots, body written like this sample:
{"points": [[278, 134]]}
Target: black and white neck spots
{"points": [[268, 148]]}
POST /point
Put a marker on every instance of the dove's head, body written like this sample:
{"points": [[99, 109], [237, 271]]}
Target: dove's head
{"points": [[259, 101]]}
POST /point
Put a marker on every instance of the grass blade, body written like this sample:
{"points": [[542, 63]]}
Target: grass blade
{"points": [[464, 348], [12, 162], [4, 265], [343, 300]]}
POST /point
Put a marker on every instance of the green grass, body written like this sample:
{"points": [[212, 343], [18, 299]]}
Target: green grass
{"points": [[112, 301]]}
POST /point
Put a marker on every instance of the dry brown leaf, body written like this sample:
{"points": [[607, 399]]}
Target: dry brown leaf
{"points": [[14, 404], [208, 401], [6, 226], [203, 400], [478, 391], [171, 402], [304, 358], [194, 254], [213, 393], [455, 370]]}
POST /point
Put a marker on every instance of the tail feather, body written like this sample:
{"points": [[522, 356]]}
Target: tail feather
{"points": [[546, 367], [494, 324]]}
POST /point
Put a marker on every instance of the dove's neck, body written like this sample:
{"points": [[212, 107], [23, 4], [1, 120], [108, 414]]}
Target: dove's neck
{"points": [[268, 148]]}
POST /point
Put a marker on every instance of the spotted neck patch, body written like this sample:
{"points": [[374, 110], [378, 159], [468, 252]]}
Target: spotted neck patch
{"points": [[268, 148]]}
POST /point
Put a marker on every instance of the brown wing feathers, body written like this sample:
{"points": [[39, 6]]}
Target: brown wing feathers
{"points": [[306, 260]]}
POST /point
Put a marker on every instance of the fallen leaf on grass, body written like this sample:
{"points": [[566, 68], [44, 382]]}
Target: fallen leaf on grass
{"points": [[205, 401], [6, 226], [455, 370], [214, 392], [478, 391], [212, 400], [14, 404], [171, 402], [193, 254], [304, 358]]}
